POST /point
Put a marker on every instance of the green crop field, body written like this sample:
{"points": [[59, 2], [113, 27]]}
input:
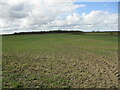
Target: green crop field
{"points": [[60, 61]]}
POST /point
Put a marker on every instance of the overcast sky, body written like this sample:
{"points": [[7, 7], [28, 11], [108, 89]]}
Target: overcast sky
{"points": [[33, 15]]}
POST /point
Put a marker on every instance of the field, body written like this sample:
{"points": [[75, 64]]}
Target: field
{"points": [[60, 61]]}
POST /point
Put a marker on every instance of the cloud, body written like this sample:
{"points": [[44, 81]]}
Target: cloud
{"points": [[95, 20], [82, 5], [29, 14], [26, 15]]}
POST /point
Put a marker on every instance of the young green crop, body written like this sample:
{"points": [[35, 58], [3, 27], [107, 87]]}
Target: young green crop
{"points": [[60, 61]]}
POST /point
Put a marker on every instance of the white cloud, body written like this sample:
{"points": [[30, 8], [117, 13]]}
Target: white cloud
{"points": [[95, 20], [82, 5], [22, 15]]}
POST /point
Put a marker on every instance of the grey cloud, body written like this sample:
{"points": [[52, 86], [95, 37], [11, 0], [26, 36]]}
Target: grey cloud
{"points": [[17, 14], [16, 11]]}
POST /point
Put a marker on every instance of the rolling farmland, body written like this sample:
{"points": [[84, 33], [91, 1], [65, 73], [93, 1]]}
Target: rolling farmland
{"points": [[60, 61]]}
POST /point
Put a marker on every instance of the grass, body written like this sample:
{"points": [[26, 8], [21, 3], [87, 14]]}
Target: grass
{"points": [[60, 61]]}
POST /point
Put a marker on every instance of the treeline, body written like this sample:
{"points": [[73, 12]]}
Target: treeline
{"points": [[49, 32], [65, 31]]}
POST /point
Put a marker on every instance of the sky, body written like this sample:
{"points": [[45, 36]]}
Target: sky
{"points": [[40, 15]]}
